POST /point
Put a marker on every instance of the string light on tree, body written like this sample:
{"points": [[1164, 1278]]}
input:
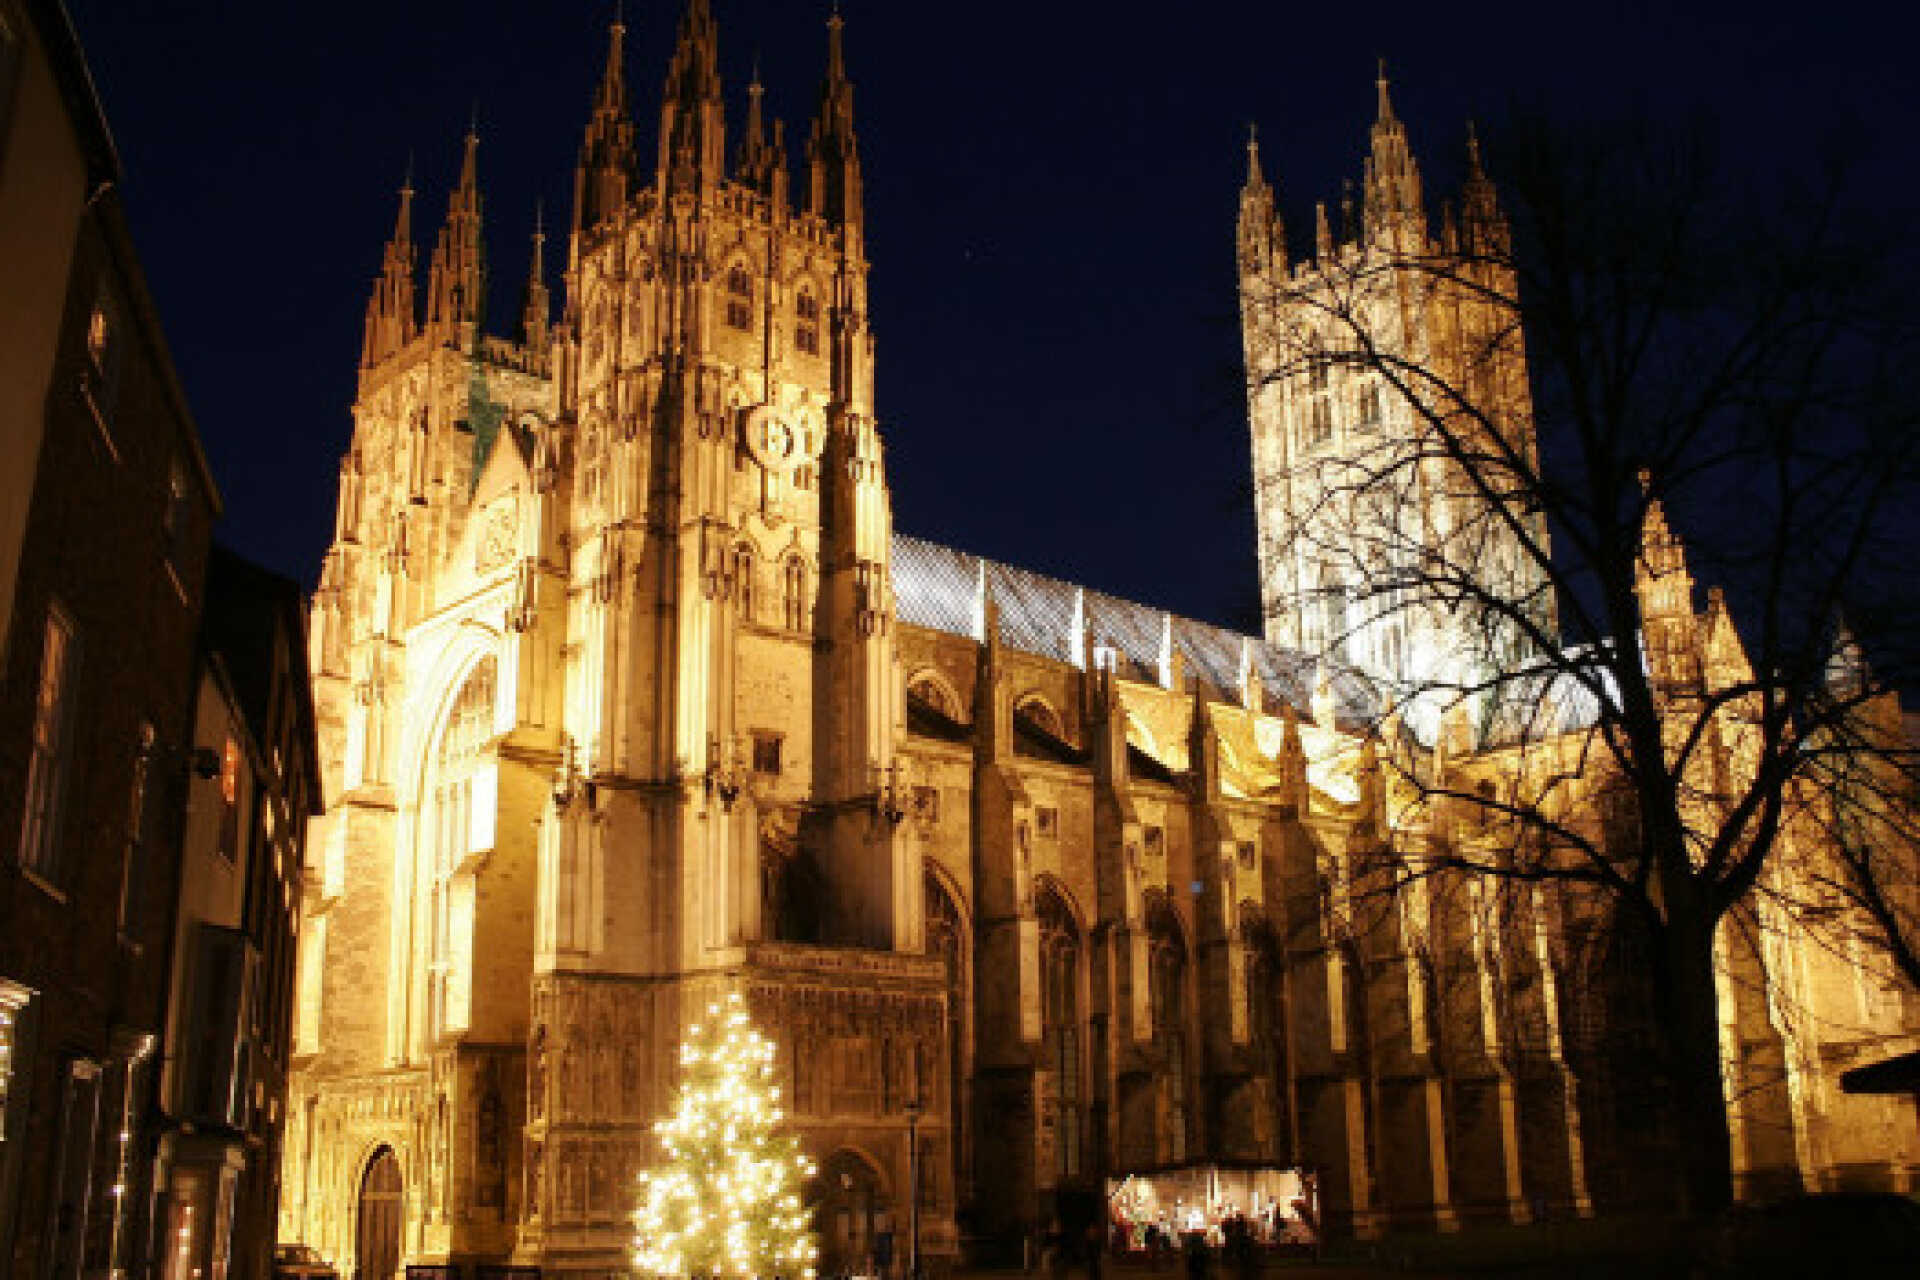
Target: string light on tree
{"points": [[725, 1200]]}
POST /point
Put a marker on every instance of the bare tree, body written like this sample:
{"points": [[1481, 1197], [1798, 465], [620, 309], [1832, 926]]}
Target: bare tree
{"points": [[1483, 436]]}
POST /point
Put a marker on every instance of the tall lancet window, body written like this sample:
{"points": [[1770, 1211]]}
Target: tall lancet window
{"points": [[1060, 1028], [1167, 990], [739, 299], [456, 822], [417, 461], [806, 328], [794, 593]]}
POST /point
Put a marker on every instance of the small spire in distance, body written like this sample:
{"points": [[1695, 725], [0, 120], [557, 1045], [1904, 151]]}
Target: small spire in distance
{"points": [[1380, 84], [1255, 178]]}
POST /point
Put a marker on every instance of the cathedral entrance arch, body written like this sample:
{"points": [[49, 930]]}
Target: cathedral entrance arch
{"points": [[853, 1213], [377, 1220]]}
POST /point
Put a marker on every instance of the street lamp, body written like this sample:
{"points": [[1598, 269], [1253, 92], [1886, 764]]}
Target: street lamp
{"points": [[913, 1188]]}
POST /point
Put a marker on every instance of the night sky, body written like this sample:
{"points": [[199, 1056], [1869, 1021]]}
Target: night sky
{"points": [[1051, 194]]}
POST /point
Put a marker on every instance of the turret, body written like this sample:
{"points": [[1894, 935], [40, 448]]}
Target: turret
{"points": [[1395, 213], [536, 308], [762, 165], [457, 280], [392, 319], [1665, 590], [833, 157], [605, 172], [1263, 242], [1483, 227], [692, 117]]}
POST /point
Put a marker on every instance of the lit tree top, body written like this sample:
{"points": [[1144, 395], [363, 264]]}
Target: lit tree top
{"points": [[725, 1201]]}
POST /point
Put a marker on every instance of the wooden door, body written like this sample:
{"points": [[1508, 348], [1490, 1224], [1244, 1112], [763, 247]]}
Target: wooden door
{"points": [[378, 1247], [850, 1214]]}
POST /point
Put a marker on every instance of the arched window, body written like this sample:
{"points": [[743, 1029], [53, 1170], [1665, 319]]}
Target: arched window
{"points": [[794, 593], [930, 692], [448, 827], [1060, 1027], [1318, 415], [806, 328], [1038, 730], [1167, 991], [1369, 407], [739, 298], [1036, 711], [743, 581], [947, 939], [1266, 1026], [1330, 599]]}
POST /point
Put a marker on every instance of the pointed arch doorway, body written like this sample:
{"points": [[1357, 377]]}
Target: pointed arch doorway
{"points": [[377, 1229], [851, 1212]]}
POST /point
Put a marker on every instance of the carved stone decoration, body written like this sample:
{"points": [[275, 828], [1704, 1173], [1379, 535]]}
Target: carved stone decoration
{"points": [[499, 528], [537, 1076]]}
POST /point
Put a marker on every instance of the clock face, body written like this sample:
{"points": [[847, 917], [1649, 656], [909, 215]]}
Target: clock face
{"points": [[771, 438]]}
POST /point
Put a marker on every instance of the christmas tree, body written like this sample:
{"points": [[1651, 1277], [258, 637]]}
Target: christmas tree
{"points": [[726, 1199]]}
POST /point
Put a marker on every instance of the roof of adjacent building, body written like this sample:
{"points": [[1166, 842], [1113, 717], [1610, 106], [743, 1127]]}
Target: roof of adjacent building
{"points": [[250, 612], [944, 589]]}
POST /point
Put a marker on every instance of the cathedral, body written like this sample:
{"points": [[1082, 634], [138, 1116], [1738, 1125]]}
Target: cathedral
{"points": [[630, 695]]}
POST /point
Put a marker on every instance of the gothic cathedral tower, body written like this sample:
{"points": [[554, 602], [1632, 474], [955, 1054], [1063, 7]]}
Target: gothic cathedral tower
{"points": [[1358, 358], [611, 704]]}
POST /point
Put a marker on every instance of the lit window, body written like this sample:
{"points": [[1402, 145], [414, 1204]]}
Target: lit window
{"points": [[13, 1010], [739, 299], [103, 352], [230, 799], [52, 748]]}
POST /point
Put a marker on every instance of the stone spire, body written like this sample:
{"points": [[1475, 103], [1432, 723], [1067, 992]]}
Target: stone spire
{"points": [[1665, 590], [1395, 213], [457, 279], [692, 117], [605, 172], [1262, 239], [392, 320], [761, 165], [833, 156], [536, 308], [1483, 226]]}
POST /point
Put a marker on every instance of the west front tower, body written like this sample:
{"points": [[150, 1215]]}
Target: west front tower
{"points": [[613, 705]]}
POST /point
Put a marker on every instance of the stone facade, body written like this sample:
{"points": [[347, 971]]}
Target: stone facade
{"points": [[629, 693]]}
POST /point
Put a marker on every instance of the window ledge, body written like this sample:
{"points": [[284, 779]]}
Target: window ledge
{"points": [[88, 380], [45, 885]]}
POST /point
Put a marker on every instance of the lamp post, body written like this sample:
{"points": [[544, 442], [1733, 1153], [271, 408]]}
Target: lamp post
{"points": [[913, 1188]]}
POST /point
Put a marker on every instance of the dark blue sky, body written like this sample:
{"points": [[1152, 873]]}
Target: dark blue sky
{"points": [[1051, 192]]}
